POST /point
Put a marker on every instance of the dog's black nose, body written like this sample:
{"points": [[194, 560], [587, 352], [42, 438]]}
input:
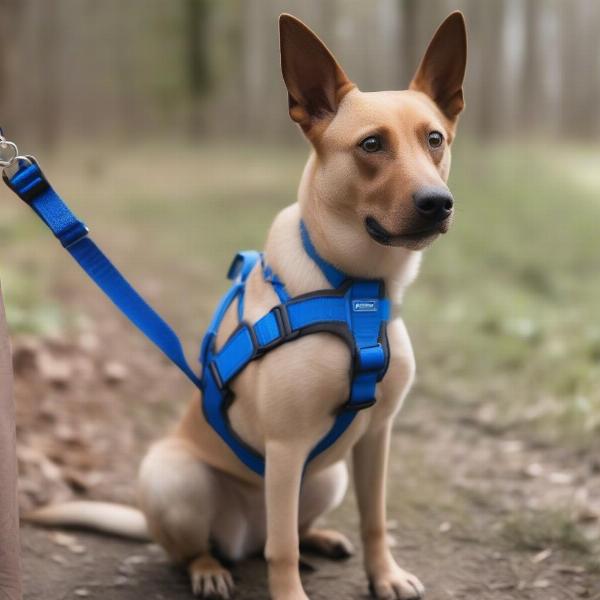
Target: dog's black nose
{"points": [[435, 204]]}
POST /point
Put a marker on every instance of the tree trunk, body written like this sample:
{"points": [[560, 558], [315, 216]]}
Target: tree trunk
{"points": [[49, 102], [10, 580], [255, 77], [409, 26], [10, 32], [489, 99], [532, 90], [197, 15]]}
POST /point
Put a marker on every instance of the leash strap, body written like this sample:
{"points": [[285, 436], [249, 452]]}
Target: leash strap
{"points": [[31, 185], [355, 309]]}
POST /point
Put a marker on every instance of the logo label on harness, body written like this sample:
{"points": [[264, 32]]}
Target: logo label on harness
{"points": [[365, 305]]}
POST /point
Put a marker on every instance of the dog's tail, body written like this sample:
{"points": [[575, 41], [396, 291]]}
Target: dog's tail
{"points": [[114, 519]]}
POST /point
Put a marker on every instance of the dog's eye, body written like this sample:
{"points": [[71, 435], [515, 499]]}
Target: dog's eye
{"points": [[435, 140], [371, 144]]}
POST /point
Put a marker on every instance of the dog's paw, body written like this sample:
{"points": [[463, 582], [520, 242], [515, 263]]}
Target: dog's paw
{"points": [[396, 584], [210, 579], [327, 542]]}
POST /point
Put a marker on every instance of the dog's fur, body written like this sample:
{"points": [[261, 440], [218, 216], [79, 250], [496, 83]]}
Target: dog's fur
{"points": [[193, 492]]}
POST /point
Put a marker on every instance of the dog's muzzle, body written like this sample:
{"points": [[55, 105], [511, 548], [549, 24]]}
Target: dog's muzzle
{"points": [[413, 240]]}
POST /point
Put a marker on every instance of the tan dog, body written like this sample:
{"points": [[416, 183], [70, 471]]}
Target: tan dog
{"points": [[373, 195]]}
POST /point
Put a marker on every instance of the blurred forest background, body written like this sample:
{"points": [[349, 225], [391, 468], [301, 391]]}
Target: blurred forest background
{"points": [[164, 124], [140, 69]]}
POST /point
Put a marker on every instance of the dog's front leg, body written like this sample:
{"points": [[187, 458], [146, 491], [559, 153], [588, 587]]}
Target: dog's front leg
{"points": [[285, 463], [387, 580]]}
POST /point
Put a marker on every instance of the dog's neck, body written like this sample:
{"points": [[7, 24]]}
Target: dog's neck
{"points": [[344, 245]]}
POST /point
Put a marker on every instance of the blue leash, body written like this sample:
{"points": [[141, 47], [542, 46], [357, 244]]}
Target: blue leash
{"points": [[31, 185], [357, 310]]}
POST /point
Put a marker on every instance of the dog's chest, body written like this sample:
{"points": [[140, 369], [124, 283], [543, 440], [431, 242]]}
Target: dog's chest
{"points": [[293, 392]]}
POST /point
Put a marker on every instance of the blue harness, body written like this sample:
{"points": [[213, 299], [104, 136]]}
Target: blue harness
{"points": [[354, 309]]}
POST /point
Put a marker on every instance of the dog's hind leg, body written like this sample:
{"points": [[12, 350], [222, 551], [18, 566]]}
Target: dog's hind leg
{"points": [[322, 492], [179, 495]]}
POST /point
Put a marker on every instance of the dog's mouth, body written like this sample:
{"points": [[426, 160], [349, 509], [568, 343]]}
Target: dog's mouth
{"points": [[414, 240]]}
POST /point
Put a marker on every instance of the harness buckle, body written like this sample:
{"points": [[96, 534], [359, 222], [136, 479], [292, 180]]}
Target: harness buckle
{"points": [[214, 371], [73, 234], [32, 182], [371, 359], [356, 406], [284, 331], [283, 320], [242, 265]]}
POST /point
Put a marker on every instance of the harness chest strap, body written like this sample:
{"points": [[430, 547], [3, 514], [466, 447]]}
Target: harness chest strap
{"points": [[357, 311], [303, 315]]}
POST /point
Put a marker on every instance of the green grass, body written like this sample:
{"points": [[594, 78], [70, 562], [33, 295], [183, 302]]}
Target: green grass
{"points": [[543, 530], [505, 311]]}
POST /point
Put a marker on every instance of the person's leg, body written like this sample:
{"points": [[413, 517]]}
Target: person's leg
{"points": [[10, 580]]}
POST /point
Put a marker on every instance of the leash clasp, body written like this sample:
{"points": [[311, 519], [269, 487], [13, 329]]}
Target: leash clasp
{"points": [[10, 159]]}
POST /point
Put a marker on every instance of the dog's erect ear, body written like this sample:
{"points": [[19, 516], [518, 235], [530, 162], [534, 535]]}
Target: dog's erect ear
{"points": [[442, 70], [315, 82]]}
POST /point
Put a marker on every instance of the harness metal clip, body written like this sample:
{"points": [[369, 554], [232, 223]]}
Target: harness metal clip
{"points": [[10, 158]]}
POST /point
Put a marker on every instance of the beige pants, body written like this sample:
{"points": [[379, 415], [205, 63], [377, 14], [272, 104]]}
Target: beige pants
{"points": [[10, 582]]}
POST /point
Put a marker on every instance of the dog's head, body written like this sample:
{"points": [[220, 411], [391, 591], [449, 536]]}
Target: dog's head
{"points": [[381, 159]]}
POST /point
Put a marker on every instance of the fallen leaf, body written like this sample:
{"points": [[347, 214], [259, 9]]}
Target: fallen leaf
{"points": [[534, 470], [115, 372], [55, 371], [560, 478], [569, 569], [541, 556]]}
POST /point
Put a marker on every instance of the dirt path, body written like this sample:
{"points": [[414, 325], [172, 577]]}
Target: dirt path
{"points": [[475, 512]]}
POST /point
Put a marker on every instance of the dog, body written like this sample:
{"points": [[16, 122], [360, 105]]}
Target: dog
{"points": [[373, 195]]}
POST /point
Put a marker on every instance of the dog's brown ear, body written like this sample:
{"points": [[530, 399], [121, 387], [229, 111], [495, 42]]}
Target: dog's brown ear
{"points": [[315, 82], [442, 70]]}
